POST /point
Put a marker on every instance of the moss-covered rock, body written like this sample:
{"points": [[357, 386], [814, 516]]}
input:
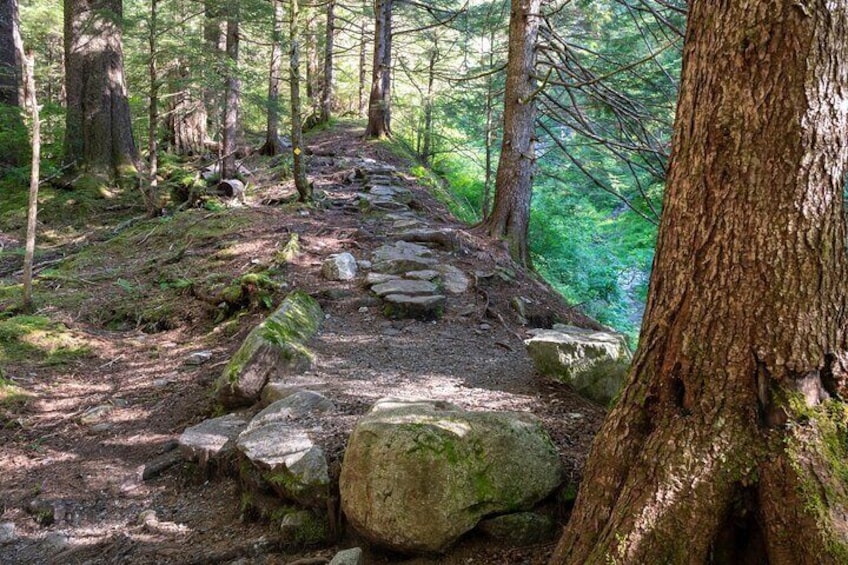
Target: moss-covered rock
{"points": [[417, 475], [520, 528], [275, 347], [595, 363]]}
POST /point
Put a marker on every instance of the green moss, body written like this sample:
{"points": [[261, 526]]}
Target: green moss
{"points": [[818, 452], [38, 340]]}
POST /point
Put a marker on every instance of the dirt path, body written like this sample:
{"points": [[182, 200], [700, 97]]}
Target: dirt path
{"points": [[74, 452]]}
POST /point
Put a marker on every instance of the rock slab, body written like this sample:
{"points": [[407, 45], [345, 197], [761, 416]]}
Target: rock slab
{"points": [[595, 363], [352, 556], [275, 347], [417, 475], [211, 439], [278, 444]]}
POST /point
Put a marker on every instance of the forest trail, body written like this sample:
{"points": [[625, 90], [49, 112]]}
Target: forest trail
{"points": [[76, 444]]}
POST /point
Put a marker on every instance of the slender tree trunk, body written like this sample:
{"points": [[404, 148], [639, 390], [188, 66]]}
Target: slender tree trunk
{"points": [[232, 87], [329, 48], [215, 42], [363, 70], [153, 111], [728, 444], [379, 104], [490, 129], [510, 217], [98, 135], [32, 209], [304, 190], [273, 145], [312, 88], [427, 149], [12, 129]]}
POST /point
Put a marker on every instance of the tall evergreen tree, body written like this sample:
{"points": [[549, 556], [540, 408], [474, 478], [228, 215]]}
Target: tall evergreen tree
{"points": [[12, 131], [728, 444], [379, 104], [510, 217], [99, 134]]}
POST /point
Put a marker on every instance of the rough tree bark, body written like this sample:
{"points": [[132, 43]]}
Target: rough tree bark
{"points": [[232, 86], [329, 53], [98, 136], [186, 120], [510, 217], [152, 111], [12, 130], [728, 444], [304, 189], [379, 103], [273, 144]]}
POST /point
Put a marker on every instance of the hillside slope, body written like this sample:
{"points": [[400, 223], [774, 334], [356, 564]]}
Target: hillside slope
{"points": [[100, 381]]}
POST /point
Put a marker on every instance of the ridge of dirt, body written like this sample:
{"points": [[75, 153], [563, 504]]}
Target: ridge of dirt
{"points": [[90, 475]]}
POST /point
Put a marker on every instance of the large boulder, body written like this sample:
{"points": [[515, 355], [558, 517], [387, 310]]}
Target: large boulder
{"points": [[595, 363], [281, 450], [417, 475], [275, 347]]}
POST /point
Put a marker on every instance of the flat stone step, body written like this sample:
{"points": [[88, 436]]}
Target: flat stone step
{"points": [[424, 308], [405, 286]]}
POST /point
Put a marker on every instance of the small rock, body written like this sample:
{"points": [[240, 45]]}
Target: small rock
{"points": [[520, 529], [147, 518], [352, 556], [95, 413], [101, 427], [453, 279], [198, 358], [339, 267], [55, 541], [485, 327], [7, 533], [363, 264], [363, 310]]}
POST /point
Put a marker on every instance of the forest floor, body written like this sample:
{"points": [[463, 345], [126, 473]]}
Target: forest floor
{"points": [[95, 386]]}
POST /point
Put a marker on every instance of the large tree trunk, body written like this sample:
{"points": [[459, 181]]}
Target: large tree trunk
{"points": [[329, 52], [510, 217], [10, 55], [728, 444], [273, 144], [186, 120], [304, 189], [12, 131], [232, 85], [98, 135], [379, 104], [215, 44]]}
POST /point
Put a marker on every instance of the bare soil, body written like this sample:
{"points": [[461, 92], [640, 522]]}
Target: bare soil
{"points": [[87, 467]]}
